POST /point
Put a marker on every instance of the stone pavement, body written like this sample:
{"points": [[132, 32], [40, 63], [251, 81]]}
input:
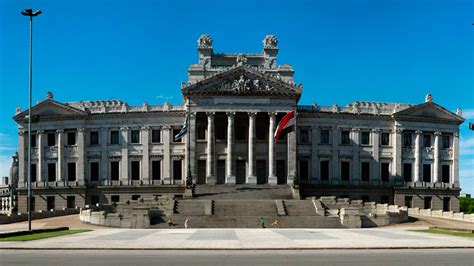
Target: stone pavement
{"points": [[246, 239]]}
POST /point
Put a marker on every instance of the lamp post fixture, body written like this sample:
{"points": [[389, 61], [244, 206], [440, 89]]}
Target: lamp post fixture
{"points": [[29, 13]]}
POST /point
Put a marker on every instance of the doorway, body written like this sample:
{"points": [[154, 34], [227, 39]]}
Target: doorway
{"points": [[240, 172], [281, 171], [220, 172], [261, 172]]}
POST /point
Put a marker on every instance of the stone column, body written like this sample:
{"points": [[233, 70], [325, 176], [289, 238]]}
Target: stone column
{"points": [[355, 156], [376, 154], [81, 154], [230, 172], [397, 155], [166, 163], [62, 175], [272, 179], [210, 165], [251, 178], [104, 156], [336, 172], [192, 145], [455, 179], [145, 140], [315, 163], [124, 141], [436, 163], [22, 158], [42, 177], [417, 154]]}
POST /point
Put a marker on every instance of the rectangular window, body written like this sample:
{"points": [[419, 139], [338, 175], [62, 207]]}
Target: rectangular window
{"points": [[407, 172], [345, 166], [446, 142], [94, 171], [33, 172], [71, 171], [384, 199], [304, 139], [115, 198], [156, 170], [51, 172], [33, 205], [385, 138], [407, 140], [324, 170], [135, 136], [71, 138], [409, 201], [445, 173], [426, 172], [446, 204], [221, 133], [156, 136], [426, 141], [33, 140], [177, 172], [365, 138], [365, 168], [345, 137], [94, 138], [94, 200], [385, 169], [135, 170], [114, 137], [324, 136], [176, 132], [71, 202], [135, 197], [50, 203], [201, 133], [114, 170], [51, 139], [427, 203]]}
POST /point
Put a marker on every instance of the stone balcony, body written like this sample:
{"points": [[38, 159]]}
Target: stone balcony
{"points": [[70, 151]]}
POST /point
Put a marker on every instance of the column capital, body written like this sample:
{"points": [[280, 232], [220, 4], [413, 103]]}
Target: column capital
{"points": [[230, 114], [60, 130], [41, 132], [210, 114], [355, 129], [166, 127], [192, 114], [21, 132], [124, 129], [252, 114], [418, 132], [438, 133], [456, 134], [145, 128], [272, 114], [80, 129], [375, 130], [336, 128], [398, 130], [104, 129]]}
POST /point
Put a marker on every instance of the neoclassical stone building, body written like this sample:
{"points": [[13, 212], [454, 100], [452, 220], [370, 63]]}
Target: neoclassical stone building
{"points": [[91, 152]]}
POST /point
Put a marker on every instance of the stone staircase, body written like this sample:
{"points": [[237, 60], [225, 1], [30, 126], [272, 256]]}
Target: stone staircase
{"points": [[242, 192]]}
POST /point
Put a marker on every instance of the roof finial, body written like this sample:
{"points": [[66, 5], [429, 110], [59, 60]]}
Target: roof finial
{"points": [[49, 95], [459, 111], [428, 98], [205, 41], [270, 41], [18, 109]]}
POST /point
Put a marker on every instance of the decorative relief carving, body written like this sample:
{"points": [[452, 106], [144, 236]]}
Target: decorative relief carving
{"points": [[177, 157], [245, 84], [241, 60], [205, 41], [428, 98], [270, 41]]}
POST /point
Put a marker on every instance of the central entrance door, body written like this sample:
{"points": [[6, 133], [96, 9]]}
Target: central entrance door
{"points": [[261, 172], [240, 172], [281, 171]]}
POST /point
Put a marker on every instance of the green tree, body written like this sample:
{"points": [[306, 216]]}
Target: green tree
{"points": [[467, 205]]}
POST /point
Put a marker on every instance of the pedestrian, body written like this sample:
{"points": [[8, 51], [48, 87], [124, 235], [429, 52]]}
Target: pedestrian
{"points": [[263, 222], [276, 223], [170, 223], [186, 223]]}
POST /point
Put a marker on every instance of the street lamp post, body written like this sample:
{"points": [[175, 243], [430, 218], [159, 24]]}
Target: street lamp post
{"points": [[29, 13]]}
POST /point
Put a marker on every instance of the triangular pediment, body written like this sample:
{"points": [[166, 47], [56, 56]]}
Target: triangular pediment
{"points": [[428, 111], [245, 81], [50, 108]]}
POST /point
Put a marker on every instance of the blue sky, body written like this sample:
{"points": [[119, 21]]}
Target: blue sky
{"points": [[342, 51]]}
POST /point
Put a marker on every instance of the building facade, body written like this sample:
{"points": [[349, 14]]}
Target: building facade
{"points": [[107, 151]]}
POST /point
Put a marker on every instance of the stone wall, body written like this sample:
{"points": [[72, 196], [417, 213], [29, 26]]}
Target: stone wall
{"points": [[20, 217], [459, 216]]}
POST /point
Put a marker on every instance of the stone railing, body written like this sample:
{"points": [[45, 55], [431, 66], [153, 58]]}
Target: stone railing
{"points": [[459, 216]]}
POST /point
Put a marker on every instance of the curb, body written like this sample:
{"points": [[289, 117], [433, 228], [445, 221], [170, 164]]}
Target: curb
{"points": [[243, 249]]}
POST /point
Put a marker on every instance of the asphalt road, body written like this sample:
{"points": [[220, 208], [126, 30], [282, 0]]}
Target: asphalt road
{"points": [[288, 257]]}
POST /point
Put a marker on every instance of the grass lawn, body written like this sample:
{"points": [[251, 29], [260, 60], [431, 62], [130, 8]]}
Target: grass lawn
{"points": [[445, 232], [43, 235]]}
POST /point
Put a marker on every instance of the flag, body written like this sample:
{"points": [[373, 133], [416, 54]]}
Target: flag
{"points": [[183, 131], [286, 124]]}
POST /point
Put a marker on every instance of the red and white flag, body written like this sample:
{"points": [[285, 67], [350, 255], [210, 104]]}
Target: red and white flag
{"points": [[286, 124]]}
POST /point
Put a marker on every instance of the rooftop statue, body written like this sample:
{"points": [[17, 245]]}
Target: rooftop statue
{"points": [[205, 41]]}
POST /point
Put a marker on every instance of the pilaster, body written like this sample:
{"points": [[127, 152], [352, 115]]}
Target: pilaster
{"points": [[436, 158], [192, 145], [22, 158], [417, 155], [166, 163], [124, 143], [455, 179], [336, 178], [356, 155], [230, 172], [104, 158], [145, 140], [315, 162], [397, 155], [375, 171], [80, 155], [42, 177], [61, 165]]}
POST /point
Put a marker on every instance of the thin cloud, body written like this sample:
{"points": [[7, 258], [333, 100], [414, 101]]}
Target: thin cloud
{"points": [[5, 163], [468, 114]]}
